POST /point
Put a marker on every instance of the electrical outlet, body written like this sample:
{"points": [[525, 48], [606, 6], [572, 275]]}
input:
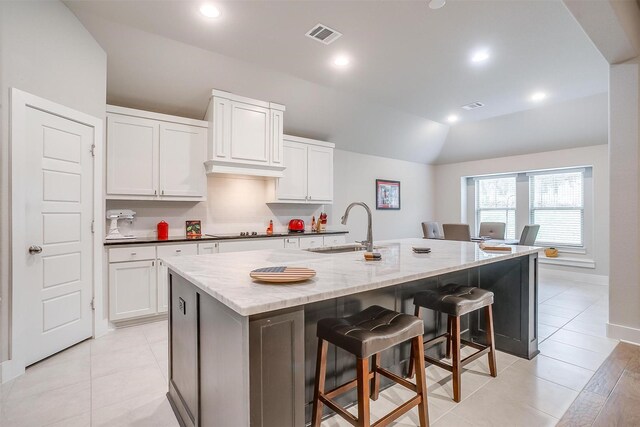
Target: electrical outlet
{"points": [[182, 306]]}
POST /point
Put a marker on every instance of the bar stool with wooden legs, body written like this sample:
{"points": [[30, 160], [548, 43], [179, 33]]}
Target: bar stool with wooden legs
{"points": [[456, 301], [365, 335]]}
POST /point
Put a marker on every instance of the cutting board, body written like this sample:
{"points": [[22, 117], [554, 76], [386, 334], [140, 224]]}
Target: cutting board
{"points": [[282, 274]]}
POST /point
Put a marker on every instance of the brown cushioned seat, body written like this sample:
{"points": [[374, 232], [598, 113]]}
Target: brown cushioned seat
{"points": [[371, 331], [454, 300]]}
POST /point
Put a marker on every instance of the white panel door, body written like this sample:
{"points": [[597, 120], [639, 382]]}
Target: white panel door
{"points": [[182, 155], [250, 133], [293, 185], [320, 174], [56, 267], [132, 289], [132, 156]]}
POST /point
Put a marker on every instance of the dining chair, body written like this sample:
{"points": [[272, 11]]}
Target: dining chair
{"points": [[529, 234], [495, 230], [460, 232], [431, 230]]}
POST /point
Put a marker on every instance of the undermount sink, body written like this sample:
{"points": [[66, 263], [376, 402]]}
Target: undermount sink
{"points": [[338, 249]]}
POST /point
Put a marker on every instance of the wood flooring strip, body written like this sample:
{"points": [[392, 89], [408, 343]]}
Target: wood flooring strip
{"points": [[623, 406], [606, 377], [583, 411]]}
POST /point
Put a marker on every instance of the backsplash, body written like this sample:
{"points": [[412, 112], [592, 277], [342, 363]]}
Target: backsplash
{"points": [[234, 204]]}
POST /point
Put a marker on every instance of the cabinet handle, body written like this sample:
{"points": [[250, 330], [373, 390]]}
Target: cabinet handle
{"points": [[163, 192], [133, 254], [153, 263], [178, 250], [155, 192], [309, 197]]}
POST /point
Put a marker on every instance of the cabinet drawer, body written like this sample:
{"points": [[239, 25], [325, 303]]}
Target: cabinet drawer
{"points": [[208, 248], [132, 253], [338, 239], [310, 242], [166, 251], [291, 243]]}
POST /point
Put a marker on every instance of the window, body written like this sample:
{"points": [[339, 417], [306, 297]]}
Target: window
{"points": [[496, 202], [557, 203]]}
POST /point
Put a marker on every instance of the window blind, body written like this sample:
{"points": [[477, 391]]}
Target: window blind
{"points": [[496, 202], [557, 205]]}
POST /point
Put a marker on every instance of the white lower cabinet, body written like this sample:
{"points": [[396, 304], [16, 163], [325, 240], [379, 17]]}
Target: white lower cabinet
{"points": [[208, 248], [166, 251], [311, 242], [334, 240], [132, 289], [138, 277], [250, 245]]}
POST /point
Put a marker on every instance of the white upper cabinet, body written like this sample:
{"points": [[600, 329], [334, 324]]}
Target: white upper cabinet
{"points": [[132, 152], [308, 174], [245, 137], [182, 154], [293, 185], [320, 174], [153, 156]]}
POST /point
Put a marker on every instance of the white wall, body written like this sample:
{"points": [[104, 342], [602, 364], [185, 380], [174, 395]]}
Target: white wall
{"points": [[239, 203], [44, 50], [355, 176], [234, 204], [450, 189], [624, 290]]}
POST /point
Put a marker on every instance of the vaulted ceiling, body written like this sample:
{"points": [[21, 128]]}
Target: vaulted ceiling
{"points": [[410, 65]]}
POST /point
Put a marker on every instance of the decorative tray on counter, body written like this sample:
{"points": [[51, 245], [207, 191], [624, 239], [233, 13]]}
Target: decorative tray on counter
{"points": [[282, 274]]}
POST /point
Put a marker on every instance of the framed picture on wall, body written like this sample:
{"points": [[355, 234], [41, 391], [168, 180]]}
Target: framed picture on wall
{"points": [[387, 194], [193, 229]]}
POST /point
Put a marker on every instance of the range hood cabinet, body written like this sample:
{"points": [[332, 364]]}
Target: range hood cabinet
{"points": [[245, 137]]}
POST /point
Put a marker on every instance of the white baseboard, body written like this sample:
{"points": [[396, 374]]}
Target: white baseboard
{"points": [[623, 333], [591, 279]]}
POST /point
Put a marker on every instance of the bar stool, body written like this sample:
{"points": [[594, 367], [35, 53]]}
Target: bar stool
{"points": [[455, 301], [366, 334]]}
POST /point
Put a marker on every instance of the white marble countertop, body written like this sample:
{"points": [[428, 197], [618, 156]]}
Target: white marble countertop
{"points": [[226, 276]]}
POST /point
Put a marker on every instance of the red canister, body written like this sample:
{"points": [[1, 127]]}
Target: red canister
{"points": [[163, 230]]}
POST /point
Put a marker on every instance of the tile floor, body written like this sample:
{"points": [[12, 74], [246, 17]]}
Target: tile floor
{"points": [[120, 379]]}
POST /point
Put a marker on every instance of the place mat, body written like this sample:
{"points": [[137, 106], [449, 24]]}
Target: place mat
{"points": [[419, 250], [282, 274], [494, 248]]}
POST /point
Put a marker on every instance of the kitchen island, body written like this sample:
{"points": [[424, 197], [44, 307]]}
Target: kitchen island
{"points": [[242, 353]]}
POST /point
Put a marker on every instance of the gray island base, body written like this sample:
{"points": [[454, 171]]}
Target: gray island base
{"points": [[243, 353]]}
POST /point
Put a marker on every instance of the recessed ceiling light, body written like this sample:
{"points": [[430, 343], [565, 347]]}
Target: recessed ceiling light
{"points": [[480, 56], [209, 10], [538, 96], [452, 118], [437, 4], [341, 61]]}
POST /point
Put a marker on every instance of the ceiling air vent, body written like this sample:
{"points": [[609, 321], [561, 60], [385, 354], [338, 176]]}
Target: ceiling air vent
{"points": [[472, 106], [323, 34]]}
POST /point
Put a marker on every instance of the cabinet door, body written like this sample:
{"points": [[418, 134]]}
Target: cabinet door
{"points": [[311, 242], [293, 185], [132, 289], [182, 156], [221, 129], [163, 287], [277, 131], [291, 243], [250, 245], [208, 248], [320, 174], [250, 133], [132, 156]]}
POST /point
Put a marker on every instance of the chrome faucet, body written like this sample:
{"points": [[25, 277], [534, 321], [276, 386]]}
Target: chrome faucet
{"points": [[369, 241]]}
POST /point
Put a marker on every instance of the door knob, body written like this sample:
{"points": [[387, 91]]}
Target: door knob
{"points": [[33, 249]]}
